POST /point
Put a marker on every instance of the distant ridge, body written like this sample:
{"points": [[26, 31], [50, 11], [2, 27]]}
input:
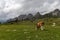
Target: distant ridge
{"points": [[30, 17]]}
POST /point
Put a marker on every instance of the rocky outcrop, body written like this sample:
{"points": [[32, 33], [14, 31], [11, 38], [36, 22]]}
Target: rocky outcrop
{"points": [[38, 15]]}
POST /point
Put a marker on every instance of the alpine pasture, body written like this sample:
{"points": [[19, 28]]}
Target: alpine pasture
{"points": [[26, 30]]}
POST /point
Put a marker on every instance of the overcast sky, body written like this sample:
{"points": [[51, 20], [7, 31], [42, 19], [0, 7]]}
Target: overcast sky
{"points": [[12, 8]]}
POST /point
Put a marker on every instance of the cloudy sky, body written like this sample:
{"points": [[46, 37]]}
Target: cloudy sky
{"points": [[13, 8]]}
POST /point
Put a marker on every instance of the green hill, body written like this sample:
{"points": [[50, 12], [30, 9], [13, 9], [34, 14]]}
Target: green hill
{"points": [[26, 30]]}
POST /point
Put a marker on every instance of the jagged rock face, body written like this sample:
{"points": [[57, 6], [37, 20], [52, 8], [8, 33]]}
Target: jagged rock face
{"points": [[13, 20], [38, 15], [48, 15], [29, 17], [10, 20], [25, 17], [21, 17], [55, 12]]}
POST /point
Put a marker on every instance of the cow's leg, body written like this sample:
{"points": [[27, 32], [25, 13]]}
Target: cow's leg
{"points": [[38, 27], [42, 28]]}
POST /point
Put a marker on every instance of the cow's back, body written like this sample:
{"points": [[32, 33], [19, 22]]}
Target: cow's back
{"points": [[41, 23]]}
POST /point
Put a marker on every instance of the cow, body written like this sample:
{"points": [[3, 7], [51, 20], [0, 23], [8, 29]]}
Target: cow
{"points": [[40, 25]]}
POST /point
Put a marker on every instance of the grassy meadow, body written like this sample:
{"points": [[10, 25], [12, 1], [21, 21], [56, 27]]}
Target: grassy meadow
{"points": [[26, 30]]}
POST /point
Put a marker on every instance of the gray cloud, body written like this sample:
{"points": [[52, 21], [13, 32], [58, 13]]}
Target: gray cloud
{"points": [[40, 5], [13, 8]]}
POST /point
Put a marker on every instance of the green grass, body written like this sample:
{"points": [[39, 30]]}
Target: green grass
{"points": [[27, 31]]}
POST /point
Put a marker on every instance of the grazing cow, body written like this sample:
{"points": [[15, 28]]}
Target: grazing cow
{"points": [[40, 25]]}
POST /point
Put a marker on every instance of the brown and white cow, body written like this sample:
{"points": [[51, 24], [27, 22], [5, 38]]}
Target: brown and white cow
{"points": [[40, 25]]}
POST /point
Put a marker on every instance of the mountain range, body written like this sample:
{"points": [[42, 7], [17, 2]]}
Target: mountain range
{"points": [[30, 17]]}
